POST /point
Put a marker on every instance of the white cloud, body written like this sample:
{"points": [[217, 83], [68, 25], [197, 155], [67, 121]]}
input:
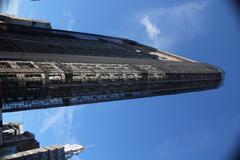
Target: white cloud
{"points": [[60, 121], [70, 24], [151, 28], [14, 7], [176, 23], [51, 120], [70, 20], [10, 6]]}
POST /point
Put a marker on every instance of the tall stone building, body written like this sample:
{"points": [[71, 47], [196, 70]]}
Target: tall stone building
{"points": [[42, 67]]}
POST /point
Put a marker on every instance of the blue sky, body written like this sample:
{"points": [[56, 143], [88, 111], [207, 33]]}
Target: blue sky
{"points": [[202, 125]]}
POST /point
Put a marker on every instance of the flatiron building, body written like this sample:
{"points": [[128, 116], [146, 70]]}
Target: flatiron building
{"points": [[41, 67]]}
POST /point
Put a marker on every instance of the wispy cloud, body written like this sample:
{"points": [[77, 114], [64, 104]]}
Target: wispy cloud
{"points": [[70, 20], [10, 6], [57, 119], [52, 120], [176, 23], [60, 121], [151, 28]]}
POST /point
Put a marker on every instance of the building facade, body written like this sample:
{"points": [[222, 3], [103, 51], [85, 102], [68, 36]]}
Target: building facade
{"points": [[44, 153], [43, 67], [15, 140]]}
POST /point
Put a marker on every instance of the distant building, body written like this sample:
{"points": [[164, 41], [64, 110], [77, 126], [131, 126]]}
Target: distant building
{"points": [[42, 67], [44, 153], [47, 153], [20, 145], [16, 140]]}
